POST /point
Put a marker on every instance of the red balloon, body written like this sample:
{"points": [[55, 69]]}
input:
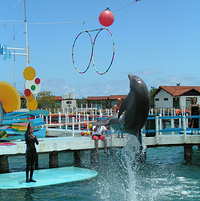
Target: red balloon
{"points": [[37, 80], [95, 137], [106, 17], [27, 92], [102, 137]]}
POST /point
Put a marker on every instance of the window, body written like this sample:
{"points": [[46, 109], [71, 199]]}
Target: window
{"points": [[68, 102], [165, 99], [156, 99]]}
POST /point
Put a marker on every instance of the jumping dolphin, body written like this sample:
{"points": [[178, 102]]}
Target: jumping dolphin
{"points": [[134, 109]]}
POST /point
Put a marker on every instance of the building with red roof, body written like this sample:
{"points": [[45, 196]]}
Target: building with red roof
{"points": [[106, 101], [176, 96]]}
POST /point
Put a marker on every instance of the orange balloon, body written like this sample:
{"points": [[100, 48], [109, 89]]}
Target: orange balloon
{"points": [[30, 98], [9, 97], [32, 104], [29, 73]]}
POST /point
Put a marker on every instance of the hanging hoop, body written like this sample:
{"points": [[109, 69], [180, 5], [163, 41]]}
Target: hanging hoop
{"points": [[93, 42], [113, 50], [91, 56]]}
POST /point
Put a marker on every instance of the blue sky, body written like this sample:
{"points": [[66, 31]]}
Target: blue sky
{"points": [[157, 40]]}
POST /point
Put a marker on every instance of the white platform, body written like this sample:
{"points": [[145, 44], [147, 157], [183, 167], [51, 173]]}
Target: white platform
{"points": [[46, 177]]}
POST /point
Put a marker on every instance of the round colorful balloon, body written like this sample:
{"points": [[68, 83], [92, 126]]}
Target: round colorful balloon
{"points": [[27, 92], [32, 86], [29, 73], [9, 97], [37, 80], [30, 98], [32, 104], [106, 17]]}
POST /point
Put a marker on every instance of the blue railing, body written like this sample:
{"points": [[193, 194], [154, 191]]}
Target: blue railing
{"points": [[183, 129], [175, 117]]}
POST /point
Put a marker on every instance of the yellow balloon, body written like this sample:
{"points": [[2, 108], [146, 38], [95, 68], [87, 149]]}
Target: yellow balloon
{"points": [[9, 97], [29, 73], [32, 104], [30, 98]]}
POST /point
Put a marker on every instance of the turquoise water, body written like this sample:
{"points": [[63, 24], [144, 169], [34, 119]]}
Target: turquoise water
{"points": [[163, 177]]}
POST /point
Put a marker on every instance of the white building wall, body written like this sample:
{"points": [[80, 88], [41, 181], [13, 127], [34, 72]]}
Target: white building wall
{"points": [[68, 104], [161, 103], [169, 103]]}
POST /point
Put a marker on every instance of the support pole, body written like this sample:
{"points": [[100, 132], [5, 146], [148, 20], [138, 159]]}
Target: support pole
{"points": [[77, 158], [26, 35], [172, 126], [4, 165], [59, 120], [94, 158], [157, 129], [79, 121], [188, 153], [184, 128], [53, 159], [73, 122]]}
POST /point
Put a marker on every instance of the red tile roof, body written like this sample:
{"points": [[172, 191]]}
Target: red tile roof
{"points": [[58, 98], [111, 97], [179, 90], [114, 97]]}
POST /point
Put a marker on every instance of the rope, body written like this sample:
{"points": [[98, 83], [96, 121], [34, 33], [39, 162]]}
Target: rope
{"points": [[65, 21], [126, 5]]}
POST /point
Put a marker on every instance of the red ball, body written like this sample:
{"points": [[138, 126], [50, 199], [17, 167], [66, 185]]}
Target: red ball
{"points": [[95, 137], [106, 17], [27, 92], [37, 80], [102, 137]]}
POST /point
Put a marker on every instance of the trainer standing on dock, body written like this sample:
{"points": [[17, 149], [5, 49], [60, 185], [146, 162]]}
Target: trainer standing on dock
{"points": [[31, 153]]}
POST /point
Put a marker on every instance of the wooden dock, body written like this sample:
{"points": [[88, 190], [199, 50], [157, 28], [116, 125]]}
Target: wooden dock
{"points": [[177, 133], [62, 144], [53, 146]]}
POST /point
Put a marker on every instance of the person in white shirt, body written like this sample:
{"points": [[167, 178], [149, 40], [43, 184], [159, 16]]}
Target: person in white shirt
{"points": [[98, 134]]}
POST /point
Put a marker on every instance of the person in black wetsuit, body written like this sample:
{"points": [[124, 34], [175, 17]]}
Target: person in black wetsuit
{"points": [[31, 154], [194, 111]]}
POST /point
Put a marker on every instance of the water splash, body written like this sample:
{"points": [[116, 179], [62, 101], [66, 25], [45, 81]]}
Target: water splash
{"points": [[118, 180]]}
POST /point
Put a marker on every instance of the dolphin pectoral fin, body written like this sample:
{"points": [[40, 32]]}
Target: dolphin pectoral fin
{"points": [[115, 124], [139, 136], [122, 107]]}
